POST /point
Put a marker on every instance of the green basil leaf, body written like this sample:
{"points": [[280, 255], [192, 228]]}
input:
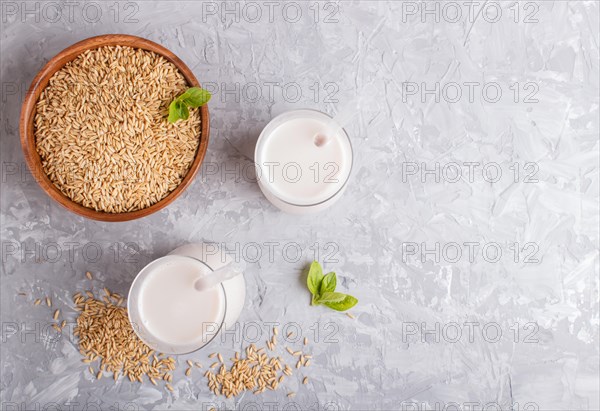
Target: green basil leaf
{"points": [[184, 112], [345, 304], [174, 111], [328, 284], [315, 276], [323, 292], [315, 300], [330, 297], [195, 97]]}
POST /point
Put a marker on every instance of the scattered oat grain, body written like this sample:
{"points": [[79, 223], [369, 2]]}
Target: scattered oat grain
{"points": [[105, 335]]}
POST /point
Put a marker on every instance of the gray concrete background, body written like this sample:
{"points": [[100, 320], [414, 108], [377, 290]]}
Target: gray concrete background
{"points": [[477, 288]]}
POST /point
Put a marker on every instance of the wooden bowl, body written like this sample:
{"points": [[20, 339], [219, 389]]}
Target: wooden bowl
{"points": [[29, 109]]}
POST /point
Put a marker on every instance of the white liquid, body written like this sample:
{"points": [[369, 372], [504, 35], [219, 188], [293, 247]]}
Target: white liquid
{"points": [[304, 174], [172, 310], [215, 258]]}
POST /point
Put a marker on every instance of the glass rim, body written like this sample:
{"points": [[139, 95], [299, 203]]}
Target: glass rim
{"points": [[260, 143], [220, 323]]}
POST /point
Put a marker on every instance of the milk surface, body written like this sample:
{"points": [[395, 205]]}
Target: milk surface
{"points": [[296, 170], [172, 310]]}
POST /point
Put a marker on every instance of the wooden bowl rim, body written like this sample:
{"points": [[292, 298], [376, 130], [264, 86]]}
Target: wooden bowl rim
{"points": [[27, 130]]}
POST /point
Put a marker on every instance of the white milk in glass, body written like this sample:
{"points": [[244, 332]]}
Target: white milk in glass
{"points": [[172, 310], [168, 313], [303, 161]]}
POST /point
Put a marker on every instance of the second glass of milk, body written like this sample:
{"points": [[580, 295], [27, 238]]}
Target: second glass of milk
{"points": [[303, 161]]}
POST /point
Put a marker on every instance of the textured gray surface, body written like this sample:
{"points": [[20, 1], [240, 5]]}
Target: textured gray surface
{"points": [[402, 350]]}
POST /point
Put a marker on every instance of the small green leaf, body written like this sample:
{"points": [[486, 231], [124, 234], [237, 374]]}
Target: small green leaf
{"points": [[323, 292], [343, 305], [331, 297], [195, 97], [174, 109], [314, 300], [328, 284], [184, 112], [315, 276], [178, 111]]}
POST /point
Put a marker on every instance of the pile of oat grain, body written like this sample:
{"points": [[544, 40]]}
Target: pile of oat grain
{"points": [[105, 335]]}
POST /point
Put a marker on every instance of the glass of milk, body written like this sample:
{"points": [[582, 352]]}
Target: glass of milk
{"points": [[169, 314], [303, 161]]}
